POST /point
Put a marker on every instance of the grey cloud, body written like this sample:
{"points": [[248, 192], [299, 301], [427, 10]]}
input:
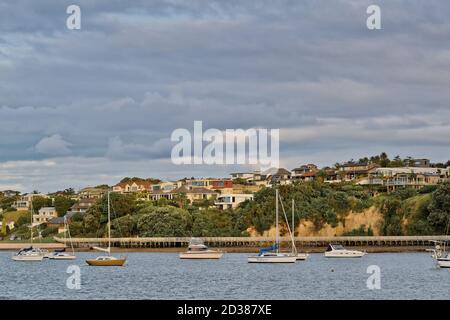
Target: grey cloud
{"points": [[138, 70]]}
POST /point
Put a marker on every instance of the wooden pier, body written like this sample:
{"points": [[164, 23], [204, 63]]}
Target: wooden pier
{"points": [[249, 242]]}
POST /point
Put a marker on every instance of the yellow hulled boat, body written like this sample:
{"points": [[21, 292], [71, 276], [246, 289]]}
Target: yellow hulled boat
{"points": [[107, 260]]}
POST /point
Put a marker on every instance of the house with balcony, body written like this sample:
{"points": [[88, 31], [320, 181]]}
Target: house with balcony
{"points": [[83, 205], [44, 215], [418, 163], [194, 194], [280, 177], [24, 202], [332, 176], [305, 172], [351, 170], [164, 189], [223, 185], [255, 177], [409, 177], [231, 201]]}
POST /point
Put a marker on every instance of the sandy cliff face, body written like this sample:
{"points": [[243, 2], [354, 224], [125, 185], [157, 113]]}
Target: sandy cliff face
{"points": [[370, 218]]}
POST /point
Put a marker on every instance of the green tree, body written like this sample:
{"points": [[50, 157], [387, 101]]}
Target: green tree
{"points": [[211, 222], [40, 202], [4, 231], [439, 208], [62, 204], [166, 221], [23, 220], [392, 222], [125, 226]]}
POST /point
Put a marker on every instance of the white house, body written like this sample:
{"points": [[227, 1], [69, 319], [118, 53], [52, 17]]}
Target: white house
{"points": [[45, 214], [9, 224], [24, 203], [231, 201]]}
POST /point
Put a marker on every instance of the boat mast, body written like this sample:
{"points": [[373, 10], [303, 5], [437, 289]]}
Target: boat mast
{"points": [[109, 224], [31, 221], [294, 248], [276, 215], [293, 224], [66, 226]]}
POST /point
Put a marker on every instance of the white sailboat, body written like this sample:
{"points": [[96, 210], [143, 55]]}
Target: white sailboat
{"points": [[440, 253], [273, 254], [61, 254], [107, 260], [30, 253]]}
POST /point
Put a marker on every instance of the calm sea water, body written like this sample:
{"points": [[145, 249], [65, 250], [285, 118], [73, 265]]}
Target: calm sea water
{"points": [[164, 276]]}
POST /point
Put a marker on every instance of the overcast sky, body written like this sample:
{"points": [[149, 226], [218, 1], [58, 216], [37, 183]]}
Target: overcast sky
{"points": [[90, 106]]}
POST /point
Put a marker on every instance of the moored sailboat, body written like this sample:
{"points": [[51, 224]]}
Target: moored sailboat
{"points": [[440, 253], [273, 254], [30, 253], [61, 254], [107, 260]]}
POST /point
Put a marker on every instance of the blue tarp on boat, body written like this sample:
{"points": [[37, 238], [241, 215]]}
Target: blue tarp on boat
{"points": [[272, 248]]}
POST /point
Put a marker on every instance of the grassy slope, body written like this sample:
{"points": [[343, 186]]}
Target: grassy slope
{"points": [[15, 215]]}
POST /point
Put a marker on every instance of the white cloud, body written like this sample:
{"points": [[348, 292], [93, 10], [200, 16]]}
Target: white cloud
{"points": [[54, 145]]}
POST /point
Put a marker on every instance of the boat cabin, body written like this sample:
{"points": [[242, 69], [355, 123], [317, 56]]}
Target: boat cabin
{"points": [[334, 247]]}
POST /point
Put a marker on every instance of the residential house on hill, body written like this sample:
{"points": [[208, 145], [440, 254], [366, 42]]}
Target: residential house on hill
{"points": [[351, 170], [419, 163], [195, 194], [163, 190], [44, 214], [411, 177], [10, 193], [83, 205], [281, 176], [58, 222], [9, 224], [132, 186], [231, 201], [92, 192], [255, 177], [24, 203], [211, 184], [305, 172], [331, 176]]}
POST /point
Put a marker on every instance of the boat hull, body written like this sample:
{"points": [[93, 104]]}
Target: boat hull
{"points": [[68, 257], [350, 254], [443, 263], [28, 258], [208, 255], [272, 259], [106, 263], [301, 256]]}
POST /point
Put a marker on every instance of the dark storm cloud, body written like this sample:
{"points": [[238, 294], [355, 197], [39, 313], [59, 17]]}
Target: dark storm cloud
{"points": [[116, 89]]}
